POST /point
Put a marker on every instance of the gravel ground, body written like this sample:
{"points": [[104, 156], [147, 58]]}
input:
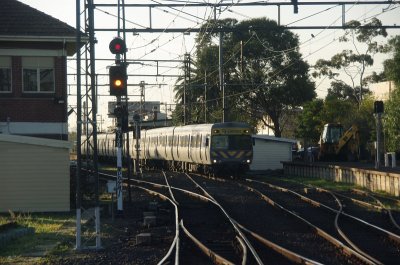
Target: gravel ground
{"points": [[119, 237]]}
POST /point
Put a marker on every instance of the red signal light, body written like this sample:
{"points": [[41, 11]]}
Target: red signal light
{"points": [[117, 46]]}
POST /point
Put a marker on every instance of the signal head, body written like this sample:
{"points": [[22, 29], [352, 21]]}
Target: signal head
{"points": [[117, 46], [118, 80]]}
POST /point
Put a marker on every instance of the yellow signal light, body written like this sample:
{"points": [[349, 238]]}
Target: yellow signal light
{"points": [[118, 83]]}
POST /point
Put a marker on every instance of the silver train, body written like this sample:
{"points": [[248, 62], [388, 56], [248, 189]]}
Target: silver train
{"points": [[215, 149]]}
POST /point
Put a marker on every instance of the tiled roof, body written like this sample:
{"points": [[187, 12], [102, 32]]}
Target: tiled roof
{"points": [[18, 19]]}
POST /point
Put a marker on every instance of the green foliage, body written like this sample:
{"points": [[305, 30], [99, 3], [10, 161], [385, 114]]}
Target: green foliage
{"points": [[339, 111], [336, 110], [392, 66], [353, 63], [310, 121], [392, 122], [392, 114], [264, 74]]}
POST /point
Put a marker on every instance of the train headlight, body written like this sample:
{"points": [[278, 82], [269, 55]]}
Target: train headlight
{"points": [[248, 161], [215, 161]]}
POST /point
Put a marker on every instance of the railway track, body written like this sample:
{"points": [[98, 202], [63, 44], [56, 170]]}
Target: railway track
{"points": [[271, 252], [203, 225], [378, 245], [280, 226], [226, 222]]}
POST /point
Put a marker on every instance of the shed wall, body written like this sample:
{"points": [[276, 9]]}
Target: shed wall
{"points": [[33, 178], [270, 154]]}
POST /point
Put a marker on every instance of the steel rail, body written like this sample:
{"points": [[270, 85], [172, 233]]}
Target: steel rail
{"points": [[217, 259], [169, 188], [347, 250], [244, 248], [391, 235], [253, 251], [283, 251], [175, 242], [211, 254], [343, 235], [380, 207], [388, 210]]}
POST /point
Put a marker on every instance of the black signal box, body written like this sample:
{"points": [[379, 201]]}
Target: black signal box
{"points": [[118, 80]]}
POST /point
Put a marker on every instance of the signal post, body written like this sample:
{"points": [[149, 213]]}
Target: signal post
{"points": [[118, 87]]}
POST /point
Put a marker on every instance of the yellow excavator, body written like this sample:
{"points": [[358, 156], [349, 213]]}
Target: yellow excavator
{"points": [[338, 145]]}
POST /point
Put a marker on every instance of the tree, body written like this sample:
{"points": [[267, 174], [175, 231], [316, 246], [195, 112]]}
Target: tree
{"points": [[310, 121], [319, 112], [392, 114], [264, 74], [353, 63], [392, 66]]}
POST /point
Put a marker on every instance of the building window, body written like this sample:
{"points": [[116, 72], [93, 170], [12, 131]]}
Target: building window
{"points": [[38, 74], [5, 80], [38, 80]]}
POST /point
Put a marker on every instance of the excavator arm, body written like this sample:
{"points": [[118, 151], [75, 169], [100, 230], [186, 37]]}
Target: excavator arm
{"points": [[351, 139]]}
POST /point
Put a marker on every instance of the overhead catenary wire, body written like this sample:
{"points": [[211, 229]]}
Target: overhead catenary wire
{"points": [[172, 67]]}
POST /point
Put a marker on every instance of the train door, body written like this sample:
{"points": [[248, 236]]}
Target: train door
{"points": [[189, 145], [207, 149], [200, 149], [193, 155], [177, 146]]}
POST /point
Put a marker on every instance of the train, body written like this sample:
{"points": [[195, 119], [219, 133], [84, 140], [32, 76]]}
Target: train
{"points": [[213, 149]]}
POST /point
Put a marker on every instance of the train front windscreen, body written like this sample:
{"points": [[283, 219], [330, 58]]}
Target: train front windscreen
{"points": [[231, 142]]}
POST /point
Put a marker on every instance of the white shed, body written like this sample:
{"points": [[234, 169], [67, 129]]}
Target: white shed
{"points": [[269, 151], [34, 174]]}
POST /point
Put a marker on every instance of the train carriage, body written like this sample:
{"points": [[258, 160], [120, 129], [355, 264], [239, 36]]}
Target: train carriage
{"points": [[219, 148]]}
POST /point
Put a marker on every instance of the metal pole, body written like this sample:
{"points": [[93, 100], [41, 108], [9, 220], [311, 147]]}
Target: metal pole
{"points": [[78, 126], [221, 74], [378, 140], [119, 159], [205, 96], [137, 146], [92, 42], [128, 154], [184, 93]]}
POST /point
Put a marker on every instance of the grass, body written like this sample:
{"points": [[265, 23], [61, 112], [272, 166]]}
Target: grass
{"points": [[54, 232], [340, 186]]}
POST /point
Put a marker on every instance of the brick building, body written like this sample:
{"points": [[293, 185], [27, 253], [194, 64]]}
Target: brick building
{"points": [[33, 71]]}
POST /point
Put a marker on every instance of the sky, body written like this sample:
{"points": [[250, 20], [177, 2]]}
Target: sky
{"points": [[314, 44]]}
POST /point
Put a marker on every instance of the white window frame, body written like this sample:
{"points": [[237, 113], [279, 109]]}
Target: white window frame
{"points": [[38, 80]]}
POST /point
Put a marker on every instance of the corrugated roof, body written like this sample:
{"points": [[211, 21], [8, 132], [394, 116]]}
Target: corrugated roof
{"points": [[18, 19]]}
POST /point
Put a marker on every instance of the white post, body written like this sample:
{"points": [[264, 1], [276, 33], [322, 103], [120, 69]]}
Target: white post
{"points": [[393, 159], [387, 159], [119, 171]]}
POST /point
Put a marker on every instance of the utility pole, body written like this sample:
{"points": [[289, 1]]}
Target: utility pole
{"points": [[79, 129], [186, 113], [221, 74], [205, 96]]}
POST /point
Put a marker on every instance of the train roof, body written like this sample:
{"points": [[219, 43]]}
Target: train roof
{"points": [[205, 126]]}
